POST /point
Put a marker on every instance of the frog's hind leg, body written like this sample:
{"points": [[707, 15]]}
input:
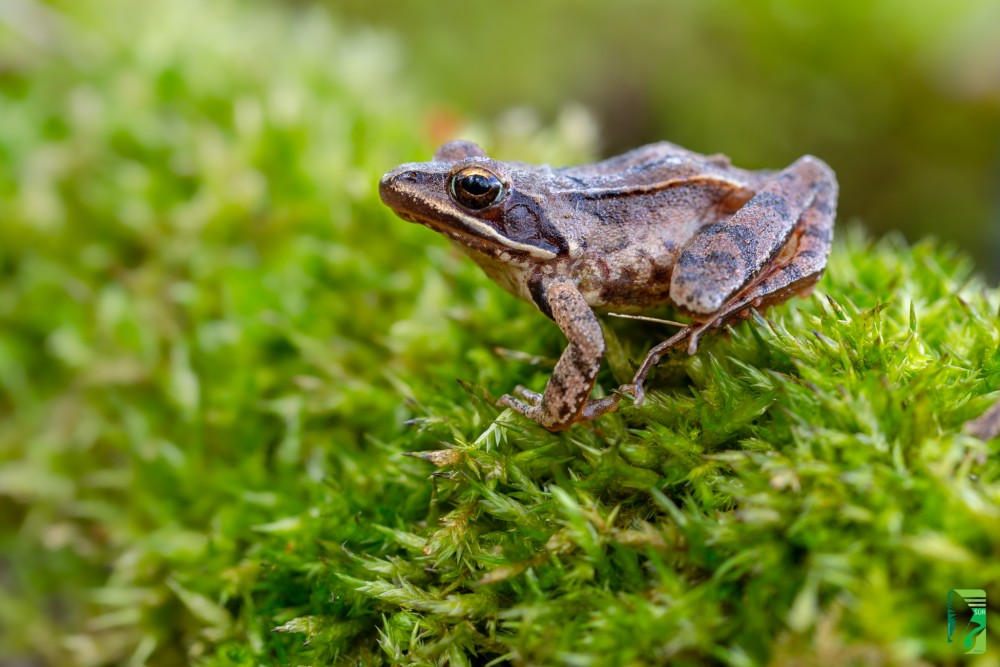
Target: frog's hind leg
{"points": [[725, 258], [652, 358], [773, 247], [795, 272], [794, 216]]}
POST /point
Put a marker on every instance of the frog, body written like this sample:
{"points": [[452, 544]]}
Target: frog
{"points": [[659, 225]]}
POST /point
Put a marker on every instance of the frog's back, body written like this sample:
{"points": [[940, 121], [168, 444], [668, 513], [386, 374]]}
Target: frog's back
{"points": [[633, 214], [659, 194], [659, 164]]}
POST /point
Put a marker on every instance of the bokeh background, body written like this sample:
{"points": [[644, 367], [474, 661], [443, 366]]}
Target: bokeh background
{"points": [[902, 98], [211, 331]]}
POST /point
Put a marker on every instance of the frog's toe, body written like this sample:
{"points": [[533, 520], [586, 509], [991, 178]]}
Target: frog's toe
{"points": [[596, 407], [637, 392], [625, 390], [532, 397], [528, 410], [508, 401]]}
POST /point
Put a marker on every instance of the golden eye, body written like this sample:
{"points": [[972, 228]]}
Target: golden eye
{"points": [[476, 187]]}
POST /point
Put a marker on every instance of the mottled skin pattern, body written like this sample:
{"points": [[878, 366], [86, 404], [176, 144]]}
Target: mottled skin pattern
{"points": [[657, 225]]}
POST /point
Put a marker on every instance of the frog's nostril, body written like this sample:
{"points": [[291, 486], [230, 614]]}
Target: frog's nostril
{"points": [[408, 177], [398, 177], [390, 184]]}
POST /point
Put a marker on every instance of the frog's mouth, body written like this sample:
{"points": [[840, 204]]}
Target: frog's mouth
{"points": [[409, 192]]}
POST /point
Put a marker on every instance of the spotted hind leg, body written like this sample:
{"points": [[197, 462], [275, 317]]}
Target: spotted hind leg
{"points": [[795, 270]]}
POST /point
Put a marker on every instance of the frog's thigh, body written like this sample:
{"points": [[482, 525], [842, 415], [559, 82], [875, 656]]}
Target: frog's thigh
{"points": [[794, 273], [799, 273], [565, 399], [725, 257]]}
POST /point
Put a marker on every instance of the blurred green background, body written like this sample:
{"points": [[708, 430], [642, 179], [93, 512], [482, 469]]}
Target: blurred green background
{"points": [[901, 98], [211, 331]]}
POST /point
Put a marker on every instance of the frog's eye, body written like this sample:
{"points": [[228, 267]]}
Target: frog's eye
{"points": [[476, 187]]}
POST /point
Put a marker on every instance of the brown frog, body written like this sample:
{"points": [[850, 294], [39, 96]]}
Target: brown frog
{"points": [[657, 225]]}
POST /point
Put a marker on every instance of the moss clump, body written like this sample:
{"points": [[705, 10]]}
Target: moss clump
{"points": [[809, 494], [216, 348]]}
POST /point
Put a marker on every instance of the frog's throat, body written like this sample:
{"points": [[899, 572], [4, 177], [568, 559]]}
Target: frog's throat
{"points": [[474, 227]]}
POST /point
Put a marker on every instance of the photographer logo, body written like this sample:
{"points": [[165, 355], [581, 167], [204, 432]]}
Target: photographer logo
{"points": [[967, 612]]}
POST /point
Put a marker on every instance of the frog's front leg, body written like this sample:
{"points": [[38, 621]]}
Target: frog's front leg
{"points": [[566, 399]]}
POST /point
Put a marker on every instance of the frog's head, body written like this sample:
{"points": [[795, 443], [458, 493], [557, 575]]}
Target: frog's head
{"points": [[473, 200]]}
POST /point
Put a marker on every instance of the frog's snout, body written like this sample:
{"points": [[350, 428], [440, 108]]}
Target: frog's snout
{"points": [[411, 192], [400, 185], [402, 176], [389, 183]]}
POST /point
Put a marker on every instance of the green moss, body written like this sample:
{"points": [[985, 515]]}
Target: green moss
{"points": [[216, 348]]}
